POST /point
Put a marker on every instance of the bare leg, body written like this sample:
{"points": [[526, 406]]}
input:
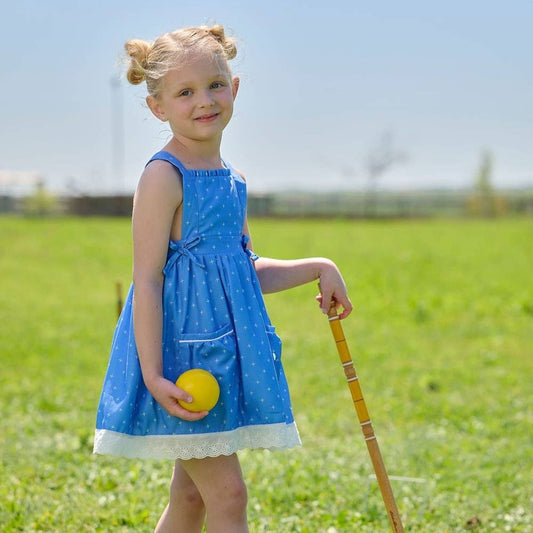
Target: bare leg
{"points": [[220, 483], [185, 512]]}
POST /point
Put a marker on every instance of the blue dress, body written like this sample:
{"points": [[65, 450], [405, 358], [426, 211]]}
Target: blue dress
{"points": [[214, 318]]}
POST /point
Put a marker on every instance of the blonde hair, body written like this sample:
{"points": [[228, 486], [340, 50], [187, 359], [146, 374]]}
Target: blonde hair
{"points": [[150, 61]]}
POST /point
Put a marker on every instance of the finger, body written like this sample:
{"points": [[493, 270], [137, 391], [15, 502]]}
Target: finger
{"points": [[347, 307], [325, 304], [180, 394], [181, 412], [191, 416]]}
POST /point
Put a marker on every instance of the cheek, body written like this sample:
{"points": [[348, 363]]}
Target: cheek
{"points": [[228, 100], [183, 108]]}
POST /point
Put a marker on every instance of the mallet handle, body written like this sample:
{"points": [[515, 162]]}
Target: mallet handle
{"points": [[364, 420], [118, 286]]}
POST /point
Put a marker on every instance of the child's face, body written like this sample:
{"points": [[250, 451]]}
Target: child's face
{"points": [[197, 99]]}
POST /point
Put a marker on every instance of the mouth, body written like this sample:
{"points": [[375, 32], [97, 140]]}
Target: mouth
{"points": [[207, 118]]}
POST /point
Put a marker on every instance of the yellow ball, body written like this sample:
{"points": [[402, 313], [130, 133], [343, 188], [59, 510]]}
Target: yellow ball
{"points": [[202, 386]]}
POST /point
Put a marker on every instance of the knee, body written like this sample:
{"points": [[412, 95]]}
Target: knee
{"points": [[233, 497], [186, 493]]}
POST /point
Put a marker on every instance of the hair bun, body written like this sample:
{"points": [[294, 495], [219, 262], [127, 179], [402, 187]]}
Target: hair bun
{"points": [[138, 51], [150, 61], [227, 43]]}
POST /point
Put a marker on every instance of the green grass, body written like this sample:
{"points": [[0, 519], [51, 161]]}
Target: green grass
{"points": [[442, 339]]}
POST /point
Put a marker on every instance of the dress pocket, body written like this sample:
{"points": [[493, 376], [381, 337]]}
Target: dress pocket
{"points": [[211, 336], [275, 342], [212, 350]]}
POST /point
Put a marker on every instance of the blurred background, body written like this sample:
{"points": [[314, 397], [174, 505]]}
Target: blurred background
{"points": [[415, 112], [345, 107]]}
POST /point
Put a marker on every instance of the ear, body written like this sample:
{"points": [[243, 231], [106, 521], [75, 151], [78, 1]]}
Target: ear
{"points": [[235, 82], [155, 107]]}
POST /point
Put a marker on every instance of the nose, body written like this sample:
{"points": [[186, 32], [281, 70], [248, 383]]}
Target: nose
{"points": [[205, 99]]}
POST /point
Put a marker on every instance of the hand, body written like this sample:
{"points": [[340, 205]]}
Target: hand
{"points": [[333, 289], [167, 395]]}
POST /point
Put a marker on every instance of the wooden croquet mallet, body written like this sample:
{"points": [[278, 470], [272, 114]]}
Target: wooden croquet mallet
{"points": [[364, 420], [118, 286]]}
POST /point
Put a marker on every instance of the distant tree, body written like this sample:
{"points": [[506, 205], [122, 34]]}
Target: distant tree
{"points": [[378, 162], [484, 201], [41, 203], [483, 184]]}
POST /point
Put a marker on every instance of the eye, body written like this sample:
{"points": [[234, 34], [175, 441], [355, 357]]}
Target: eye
{"points": [[186, 92], [217, 85]]}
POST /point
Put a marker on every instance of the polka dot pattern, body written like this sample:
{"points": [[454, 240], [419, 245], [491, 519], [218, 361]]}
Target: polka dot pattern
{"points": [[214, 317]]}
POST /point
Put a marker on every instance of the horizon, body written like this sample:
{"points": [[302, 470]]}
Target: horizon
{"points": [[322, 88]]}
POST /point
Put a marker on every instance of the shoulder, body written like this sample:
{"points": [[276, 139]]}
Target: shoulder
{"points": [[160, 182], [159, 171], [239, 174], [160, 177]]}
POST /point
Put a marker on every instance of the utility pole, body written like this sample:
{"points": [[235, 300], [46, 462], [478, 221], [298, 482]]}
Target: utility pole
{"points": [[117, 133]]}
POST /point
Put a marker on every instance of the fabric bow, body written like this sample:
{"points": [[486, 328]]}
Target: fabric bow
{"points": [[245, 239], [179, 248]]}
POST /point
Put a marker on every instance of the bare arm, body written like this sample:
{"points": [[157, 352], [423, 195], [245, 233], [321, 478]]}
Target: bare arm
{"points": [[277, 275], [157, 199]]}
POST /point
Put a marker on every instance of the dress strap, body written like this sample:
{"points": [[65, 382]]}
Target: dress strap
{"points": [[167, 156]]}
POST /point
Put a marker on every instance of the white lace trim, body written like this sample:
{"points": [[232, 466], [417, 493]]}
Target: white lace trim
{"points": [[268, 436]]}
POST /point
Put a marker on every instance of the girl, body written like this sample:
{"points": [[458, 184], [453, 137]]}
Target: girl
{"points": [[196, 298]]}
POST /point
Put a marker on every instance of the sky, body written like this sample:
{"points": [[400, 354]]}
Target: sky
{"points": [[322, 85]]}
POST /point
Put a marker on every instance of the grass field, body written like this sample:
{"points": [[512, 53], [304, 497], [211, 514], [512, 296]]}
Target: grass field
{"points": [[442, 338]]}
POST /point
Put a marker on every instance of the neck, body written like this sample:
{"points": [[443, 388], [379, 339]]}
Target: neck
{"points": [[196, 154]]}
